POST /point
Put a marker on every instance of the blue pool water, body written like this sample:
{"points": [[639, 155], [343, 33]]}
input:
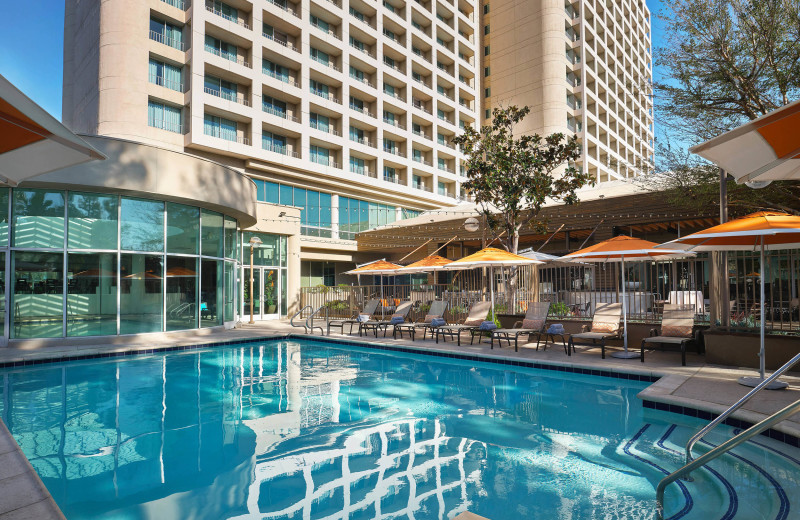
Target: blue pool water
{"points": [[310, 430]]}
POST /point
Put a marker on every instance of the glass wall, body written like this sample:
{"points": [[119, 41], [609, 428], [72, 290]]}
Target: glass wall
{"points": [[95, 264]]}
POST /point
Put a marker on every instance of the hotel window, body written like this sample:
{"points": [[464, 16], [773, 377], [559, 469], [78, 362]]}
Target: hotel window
{"points": [[275, 35], [319, 23], [390, 62], [487, 113], [274, 106], [416, 182], [273, 143], [486, 71], [390, 90], [356, 104], [166, 33], [165, 117], [441, 188], [441, 90], [389, 174], [221, 88], [390, 145], [320, 155], [441, 163], [486, 29], [440, 114], [440, 138], [320, 56], [274, 70], [358, 44], [487, 92], [319, 88], [224, 10], [221, 48], [389, 118], [166, 75], [355, 13], [357, 135], [486, 9], [319, 122], [315, 213], [358, 165], [220, 127], [357, 74], [389, 34]]}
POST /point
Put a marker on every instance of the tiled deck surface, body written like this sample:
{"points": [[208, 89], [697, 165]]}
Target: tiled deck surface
{"points": [[697, 385]]}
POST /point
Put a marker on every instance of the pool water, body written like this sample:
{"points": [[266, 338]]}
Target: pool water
{"points": [[311, 430]]}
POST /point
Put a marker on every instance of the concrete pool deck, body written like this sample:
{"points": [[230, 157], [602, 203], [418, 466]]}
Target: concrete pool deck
{"points": [[697, 386]]}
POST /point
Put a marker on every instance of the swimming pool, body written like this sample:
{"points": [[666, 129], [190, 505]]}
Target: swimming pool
{"points": [[313, 430]]}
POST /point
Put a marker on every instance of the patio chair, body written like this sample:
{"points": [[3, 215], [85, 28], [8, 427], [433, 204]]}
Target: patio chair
{"points": [[437, 310], [677, 328], [477, 315], [369, 309], [533, 323], [376, 325], [605, 325]]}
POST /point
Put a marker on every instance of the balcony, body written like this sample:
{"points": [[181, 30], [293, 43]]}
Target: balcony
{"points": [[362, 79], [325, 161], [229, 57], [162, 82], [422, 82], [284, 6], [237, 21], [418, 104], [282, 150], [225, 136], [394, 151], [329, 64], [279, 113], [286, 44], [361, 18], [363, 170], [363, 49], [180, 4], [395, 179], [392, 65], [166, 40], [335, 2], [327, 128], [395, 95], [329, 32], [363, 140], [227, 96], [361, 110], [169, 126], [421, 161], [422, 187], [326, 95], [395, 123], [393, 37], [282, 78], [421, 134], [445, 168]]}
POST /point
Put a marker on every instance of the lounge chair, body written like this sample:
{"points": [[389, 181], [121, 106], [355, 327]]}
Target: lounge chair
{"points": [[437, 310], [677, 328], [376, 325], [369, 309], [605, 325], [477, 315], [534, 323]]}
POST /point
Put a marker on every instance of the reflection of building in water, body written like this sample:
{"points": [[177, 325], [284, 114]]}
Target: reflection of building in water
{"points": [[385, 471]]}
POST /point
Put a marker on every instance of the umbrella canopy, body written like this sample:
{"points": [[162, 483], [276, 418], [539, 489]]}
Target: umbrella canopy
{"points": [[33, 142], [377, 267], [427, 264], [491, 257], [621, 249], [765, 149], [765, 231]]}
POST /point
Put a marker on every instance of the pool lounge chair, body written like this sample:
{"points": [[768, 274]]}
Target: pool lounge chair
{"points": [[369, 309], [534, 323], [477, 315], [376, 325], [677, 328], [605, 325], [437, 310]]}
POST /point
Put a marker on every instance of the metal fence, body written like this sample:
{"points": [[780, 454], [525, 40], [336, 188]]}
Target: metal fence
{"points": [[576, 290]]}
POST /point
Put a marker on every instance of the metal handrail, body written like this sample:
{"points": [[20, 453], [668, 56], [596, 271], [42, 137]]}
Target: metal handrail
{"points": [[720, 450], [738, 404], [298, 313], [310, 320]]}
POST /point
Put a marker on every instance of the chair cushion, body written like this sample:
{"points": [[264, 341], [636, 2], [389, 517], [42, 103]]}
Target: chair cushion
{"points": [[488, 325], [676, 331], [556, 328], [430, 317], [437, 322], [532, 324], [474, 322], [605, 326], [397, 319]]}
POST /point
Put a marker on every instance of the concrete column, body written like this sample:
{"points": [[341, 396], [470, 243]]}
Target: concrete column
{"points": [[293, 274]]}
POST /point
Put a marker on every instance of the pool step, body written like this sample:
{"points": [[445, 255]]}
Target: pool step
{"points": [[756, 480]]}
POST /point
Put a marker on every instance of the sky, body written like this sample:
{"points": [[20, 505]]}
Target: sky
{"points": [[32, 48]]}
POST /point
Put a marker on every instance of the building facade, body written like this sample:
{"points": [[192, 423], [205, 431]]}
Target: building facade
{"points": [[584, 67], [343, 109]]}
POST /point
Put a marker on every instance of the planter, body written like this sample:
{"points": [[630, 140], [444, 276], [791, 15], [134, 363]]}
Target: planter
{"points": [[272, 309], [740, 349]]}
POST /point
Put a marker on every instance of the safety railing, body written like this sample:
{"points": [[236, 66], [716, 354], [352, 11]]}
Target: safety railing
{"points": [[310, 320], [297, 314]]}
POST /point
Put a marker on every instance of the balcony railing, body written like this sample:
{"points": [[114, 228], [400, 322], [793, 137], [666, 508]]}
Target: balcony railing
{"points": [[394, 37], [422, 161], [394, 151], [167, 40], [391, 178], [445, 168], [284, 6], [211, 9], [420, 186], [283, 150], [392, 65], [279, 113], [326, 63], [362, 19], [422, 82], [361, 110], [325, 161], [420, 106], [227, 96], [395, 123], [229, 57], [227, 136], [444, 69], [395, 95], [325, 95], [162, 82], [363, 140], [364, 50], [444, 118], [169, 126], [180, 4], [421, 134], [329, 32], [282, 78], [335, 2], [328, 129], [363, 170], [362, 79], [286, 44]]}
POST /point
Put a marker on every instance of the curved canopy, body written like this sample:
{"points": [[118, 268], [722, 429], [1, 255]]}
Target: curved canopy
{"points": [[491, 257], [776, 230], [427, 264], [33, 142], [624, 248], [765, 149], [376, 267]]}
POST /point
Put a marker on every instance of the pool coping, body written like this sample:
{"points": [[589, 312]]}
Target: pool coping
{"points": [[657, 396]]}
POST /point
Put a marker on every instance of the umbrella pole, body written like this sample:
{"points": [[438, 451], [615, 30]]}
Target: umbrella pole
{"points": [[491, 288], [755, 381], [625, 354]]}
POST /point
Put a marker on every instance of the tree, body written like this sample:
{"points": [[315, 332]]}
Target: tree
{"points": [[511, 177], [723, 63]]}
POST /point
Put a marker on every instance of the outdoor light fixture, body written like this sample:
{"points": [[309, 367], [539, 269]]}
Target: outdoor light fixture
{"points": [[254, 241], [757, 185], [281, 214], [472, 225]]}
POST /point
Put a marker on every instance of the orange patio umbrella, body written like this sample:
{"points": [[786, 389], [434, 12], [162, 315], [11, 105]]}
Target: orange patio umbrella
{"points": [[491, 257], [621, 249], [376, 267], [429, 263], [763, 231]]}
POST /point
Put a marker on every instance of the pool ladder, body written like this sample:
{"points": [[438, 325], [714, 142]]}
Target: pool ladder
{"points": [[692, 463], [308, 324]]}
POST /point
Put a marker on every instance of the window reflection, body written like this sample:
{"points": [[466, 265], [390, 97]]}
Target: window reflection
{"points": [[142, 226], [91, 294], [140, 306], [38, 296], [38, 218], [181, 304], [212, 233], [211, 293], [183, 229], [92, 221]]}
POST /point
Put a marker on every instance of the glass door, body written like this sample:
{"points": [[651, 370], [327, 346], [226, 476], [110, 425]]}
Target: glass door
{"points": [[266, 294], [256, 294]]}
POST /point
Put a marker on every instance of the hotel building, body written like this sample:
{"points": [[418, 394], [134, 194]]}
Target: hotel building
{"points": [[583, 67]]}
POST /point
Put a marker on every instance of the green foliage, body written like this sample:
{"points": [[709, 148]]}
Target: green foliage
{"points": [[337, 305], [511, 176], [559, 309], [425, 307]]}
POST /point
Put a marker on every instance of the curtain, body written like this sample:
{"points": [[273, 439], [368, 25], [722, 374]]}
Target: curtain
{"points": [[154, 114], [173, 77], [227, 129], [211, 125]]}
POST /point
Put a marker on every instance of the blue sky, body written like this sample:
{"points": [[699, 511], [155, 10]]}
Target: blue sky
{"points": [[32, 48]]}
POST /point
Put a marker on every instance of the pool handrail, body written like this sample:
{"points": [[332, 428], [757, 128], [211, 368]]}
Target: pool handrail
{"points": [[738, 404], [720, 450], [298, 313], [310, 320]]}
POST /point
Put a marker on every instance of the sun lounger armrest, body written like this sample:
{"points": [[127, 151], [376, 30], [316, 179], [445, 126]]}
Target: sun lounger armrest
{"points": [[586, 328]]}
